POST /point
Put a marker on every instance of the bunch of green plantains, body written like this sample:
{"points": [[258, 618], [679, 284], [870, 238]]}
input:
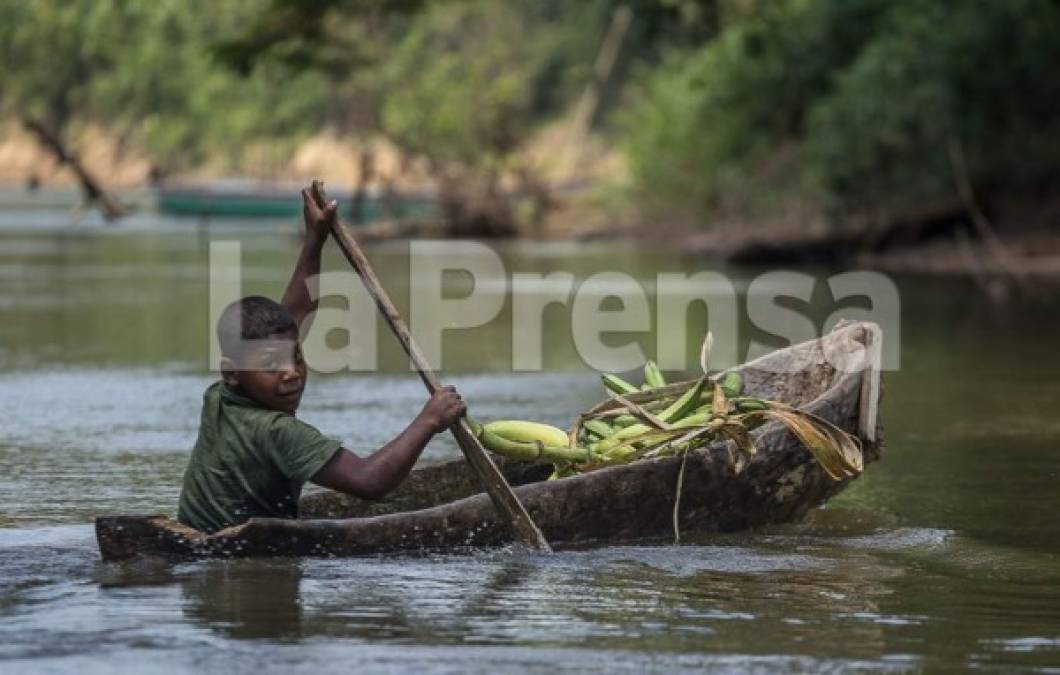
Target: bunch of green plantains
{"points": [[659, 420]]}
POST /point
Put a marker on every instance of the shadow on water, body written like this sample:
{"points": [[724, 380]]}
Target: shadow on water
{"points": [[239, 599], [246, 601]]}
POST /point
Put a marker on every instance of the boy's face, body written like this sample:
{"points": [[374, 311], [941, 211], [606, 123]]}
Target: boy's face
{"points": [[270, 372]]}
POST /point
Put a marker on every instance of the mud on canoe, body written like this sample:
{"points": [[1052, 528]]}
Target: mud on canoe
{"points": [[441, 506]]}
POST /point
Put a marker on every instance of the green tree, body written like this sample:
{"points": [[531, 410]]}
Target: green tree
{"points": [[46, 68], [457, 84], [709, 121], [147, 74], [976, 74], [852, 104]]}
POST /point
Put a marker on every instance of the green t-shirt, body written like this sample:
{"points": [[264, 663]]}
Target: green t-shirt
{"points": [[248, 462]]}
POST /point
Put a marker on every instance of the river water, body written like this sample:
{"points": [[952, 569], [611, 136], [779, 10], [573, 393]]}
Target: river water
{"points": [[943, 556]]}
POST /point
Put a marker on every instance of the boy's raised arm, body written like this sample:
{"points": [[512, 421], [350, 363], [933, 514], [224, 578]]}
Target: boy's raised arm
{"points": [[298, 298]]}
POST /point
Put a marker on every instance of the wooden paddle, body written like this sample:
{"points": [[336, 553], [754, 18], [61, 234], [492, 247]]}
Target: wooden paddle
{"points": [[505, 501]]}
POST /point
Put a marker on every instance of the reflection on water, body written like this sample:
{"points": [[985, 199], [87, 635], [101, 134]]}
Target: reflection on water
{"points": [[241, 600], [942, 557]]}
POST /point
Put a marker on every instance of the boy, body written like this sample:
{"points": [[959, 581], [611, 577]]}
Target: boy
{"points": [[253, 455]]}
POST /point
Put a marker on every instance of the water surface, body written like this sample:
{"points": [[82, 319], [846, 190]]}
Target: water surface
{"points": [[944, 556]]}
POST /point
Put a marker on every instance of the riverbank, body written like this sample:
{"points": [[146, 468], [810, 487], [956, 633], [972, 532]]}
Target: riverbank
{"points": [[1034, 255], [939, 239], [586, 197]]}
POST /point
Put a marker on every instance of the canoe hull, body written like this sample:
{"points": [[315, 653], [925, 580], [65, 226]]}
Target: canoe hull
{"points": [[279, 202], [624, 503]]}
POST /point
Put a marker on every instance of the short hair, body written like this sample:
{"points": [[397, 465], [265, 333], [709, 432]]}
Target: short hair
{"points": [[254, 317]]}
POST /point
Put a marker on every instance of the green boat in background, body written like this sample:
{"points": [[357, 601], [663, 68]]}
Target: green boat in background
{"points": [[238, 199]]}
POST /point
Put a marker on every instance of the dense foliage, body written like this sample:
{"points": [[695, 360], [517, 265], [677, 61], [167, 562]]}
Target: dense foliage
{"points": [[723, 107], [145, 71], [855, 104]]}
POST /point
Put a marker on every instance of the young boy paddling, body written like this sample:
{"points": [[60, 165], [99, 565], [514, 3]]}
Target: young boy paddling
{"points": [[253, 455]]}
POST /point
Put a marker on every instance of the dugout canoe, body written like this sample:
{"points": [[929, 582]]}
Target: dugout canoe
{"points": [[441, 506]]}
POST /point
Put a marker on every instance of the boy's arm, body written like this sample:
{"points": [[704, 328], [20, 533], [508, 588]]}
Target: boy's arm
{"points": [[374, 476], [297, 298]]}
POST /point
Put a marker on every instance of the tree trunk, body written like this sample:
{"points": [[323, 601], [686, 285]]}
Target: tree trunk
{"points": [[91, 187], [587, 108], [536, 190], [365, 176], [473, 205]]}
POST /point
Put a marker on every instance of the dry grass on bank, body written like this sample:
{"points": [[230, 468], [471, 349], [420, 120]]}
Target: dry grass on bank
{"points": [[22, 158], [584, 174]]}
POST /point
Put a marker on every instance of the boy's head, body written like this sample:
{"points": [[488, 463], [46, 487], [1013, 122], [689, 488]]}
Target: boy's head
{"points": [[260, 355]]}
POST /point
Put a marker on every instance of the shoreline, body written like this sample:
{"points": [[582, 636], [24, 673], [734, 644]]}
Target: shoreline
{"points": [[1018, 256]]}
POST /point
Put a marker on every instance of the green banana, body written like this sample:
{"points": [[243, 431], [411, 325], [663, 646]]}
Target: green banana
{"points": [[617, 384], [678, 409], [528, 432], [512, 449], [709, 410], [731, 384], [530, 441], [686, 403], [533, 451], [699, 417], [748, 404], [653, 377], [694, 420], [704, 408], [599, 427]]}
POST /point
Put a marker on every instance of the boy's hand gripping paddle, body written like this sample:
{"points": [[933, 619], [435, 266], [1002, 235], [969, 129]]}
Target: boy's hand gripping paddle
{"points": [[505, 501]]}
